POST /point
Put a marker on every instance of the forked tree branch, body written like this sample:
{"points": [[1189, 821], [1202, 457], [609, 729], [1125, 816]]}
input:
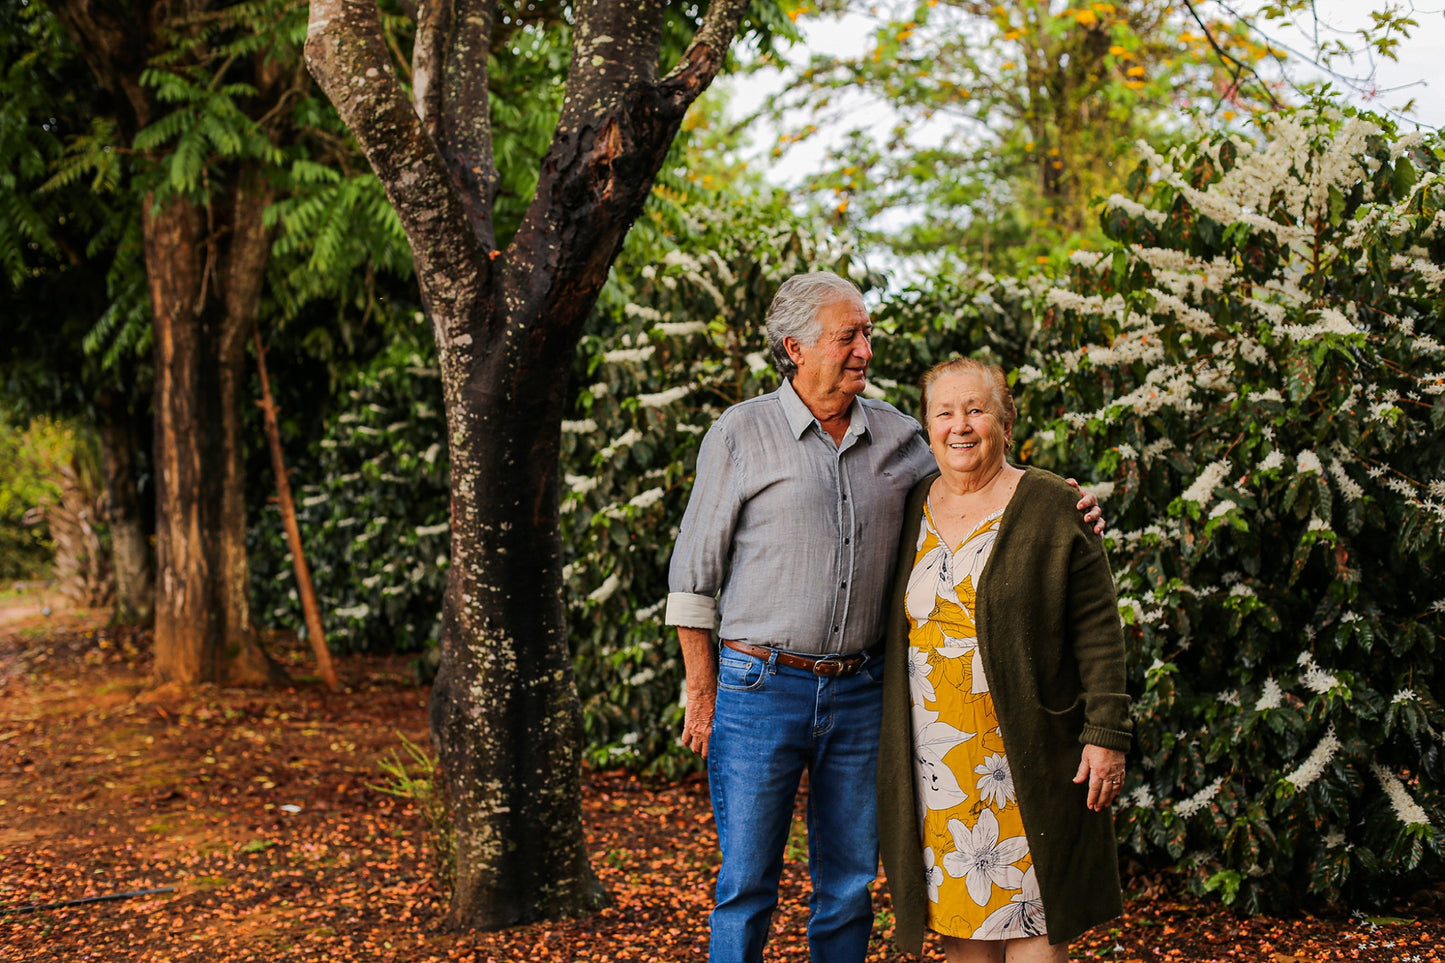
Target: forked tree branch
{"points": [[1240, 68], [347, 54]]}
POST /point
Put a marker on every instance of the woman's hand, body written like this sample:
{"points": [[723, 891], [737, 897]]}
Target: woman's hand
{"points": [[1103, 770], [1089, 505]]}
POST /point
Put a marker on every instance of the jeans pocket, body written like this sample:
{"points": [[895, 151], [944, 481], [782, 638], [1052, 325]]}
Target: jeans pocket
{"points": [[873, 669], [741, 673]]}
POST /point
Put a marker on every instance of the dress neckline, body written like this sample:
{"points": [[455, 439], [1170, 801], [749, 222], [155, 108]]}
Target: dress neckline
{"points": [[982, 523]]}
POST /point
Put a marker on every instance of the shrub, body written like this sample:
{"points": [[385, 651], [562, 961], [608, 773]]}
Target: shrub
{"points": [[372, 507], [1253, 374]]}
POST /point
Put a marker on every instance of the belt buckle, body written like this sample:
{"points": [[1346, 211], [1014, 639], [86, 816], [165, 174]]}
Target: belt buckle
{"points": [[828, 666]]}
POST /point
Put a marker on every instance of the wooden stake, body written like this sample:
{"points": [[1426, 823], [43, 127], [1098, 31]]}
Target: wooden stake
{"points": [[309, 607]]}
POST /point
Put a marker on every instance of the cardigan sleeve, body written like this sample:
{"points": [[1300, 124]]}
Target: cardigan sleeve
{"points": [[1098, 641]]}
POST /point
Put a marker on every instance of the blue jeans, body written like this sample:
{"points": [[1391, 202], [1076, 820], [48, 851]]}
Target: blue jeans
{"points": [[772, 723]]}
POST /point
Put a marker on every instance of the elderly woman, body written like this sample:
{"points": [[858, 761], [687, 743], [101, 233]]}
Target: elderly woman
{"points": [[1005, 716]]}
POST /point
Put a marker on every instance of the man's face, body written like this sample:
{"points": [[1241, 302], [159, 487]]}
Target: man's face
{"points": [[837, 363]]}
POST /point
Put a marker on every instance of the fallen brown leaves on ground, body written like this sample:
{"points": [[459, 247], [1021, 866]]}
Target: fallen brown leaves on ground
{"points": [[244, 825]]}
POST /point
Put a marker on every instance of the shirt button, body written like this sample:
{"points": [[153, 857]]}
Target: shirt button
{"points": [[835, 628], [846, 541], [845, 585]]}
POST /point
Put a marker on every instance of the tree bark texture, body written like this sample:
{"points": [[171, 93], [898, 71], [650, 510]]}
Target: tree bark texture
{"points": [[205, 264], [129, 551], [505, 716], [198, 636]]}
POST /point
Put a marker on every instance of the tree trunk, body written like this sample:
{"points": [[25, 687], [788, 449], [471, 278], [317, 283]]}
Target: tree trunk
{"points": [[197, 635], [204, 268], [240, 258], [504, 706], [505, 715], [130, 555]]}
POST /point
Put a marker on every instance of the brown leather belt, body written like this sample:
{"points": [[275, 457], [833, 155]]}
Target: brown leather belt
{"points": [[825, 665]]}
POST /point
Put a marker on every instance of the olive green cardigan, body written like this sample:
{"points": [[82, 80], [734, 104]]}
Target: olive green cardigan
{"points": [[1053, 652]]}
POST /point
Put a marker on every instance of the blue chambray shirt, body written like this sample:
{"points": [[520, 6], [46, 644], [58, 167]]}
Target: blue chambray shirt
{"points": [[788, 537]]}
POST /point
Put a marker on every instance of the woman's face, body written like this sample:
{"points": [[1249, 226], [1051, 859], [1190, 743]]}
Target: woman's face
{"points": [[964, 429]]}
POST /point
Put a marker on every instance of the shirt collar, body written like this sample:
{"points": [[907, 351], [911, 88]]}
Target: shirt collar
{"points": [[800, 418]]}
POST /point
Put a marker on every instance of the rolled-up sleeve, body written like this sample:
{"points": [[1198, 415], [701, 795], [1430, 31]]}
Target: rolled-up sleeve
{"points": [[704, 540]]}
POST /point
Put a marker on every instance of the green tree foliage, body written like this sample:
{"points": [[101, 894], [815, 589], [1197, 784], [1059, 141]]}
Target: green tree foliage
{"points": [[1253, 373], [25, 485], [1007, 119], [69, 266]]}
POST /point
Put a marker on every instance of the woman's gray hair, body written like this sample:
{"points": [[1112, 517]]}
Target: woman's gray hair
{"points": [[794, 312]]}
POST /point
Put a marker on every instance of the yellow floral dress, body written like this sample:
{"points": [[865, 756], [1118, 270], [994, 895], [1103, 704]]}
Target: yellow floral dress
{"points": [[981, 881]]}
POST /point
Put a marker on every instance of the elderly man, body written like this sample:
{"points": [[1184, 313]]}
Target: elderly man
{"points": [[790, 535]]}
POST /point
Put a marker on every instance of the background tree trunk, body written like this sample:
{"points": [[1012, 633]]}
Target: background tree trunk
{"points": [[205, 264], [130, 553], [200, 636]]}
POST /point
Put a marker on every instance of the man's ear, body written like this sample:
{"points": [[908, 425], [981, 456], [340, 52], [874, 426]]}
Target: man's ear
{"points": [[794, 349]]}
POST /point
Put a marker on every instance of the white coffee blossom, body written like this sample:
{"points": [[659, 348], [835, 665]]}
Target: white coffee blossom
{"points": [[627, 439], [1406, 809], [661, 399], [1314, 765], [1135, 209], [1346, 485], [629, 355], [649, 613], [580, 484], [1199, 800], [1271, 698], [604, 591], [1307, 461], [1314, 678], [642, 311], [647, 499], [1028, 374], [1209, 479]]}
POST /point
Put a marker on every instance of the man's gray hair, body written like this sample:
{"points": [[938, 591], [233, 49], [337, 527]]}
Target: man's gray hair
{"points": [[794, 312]]}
